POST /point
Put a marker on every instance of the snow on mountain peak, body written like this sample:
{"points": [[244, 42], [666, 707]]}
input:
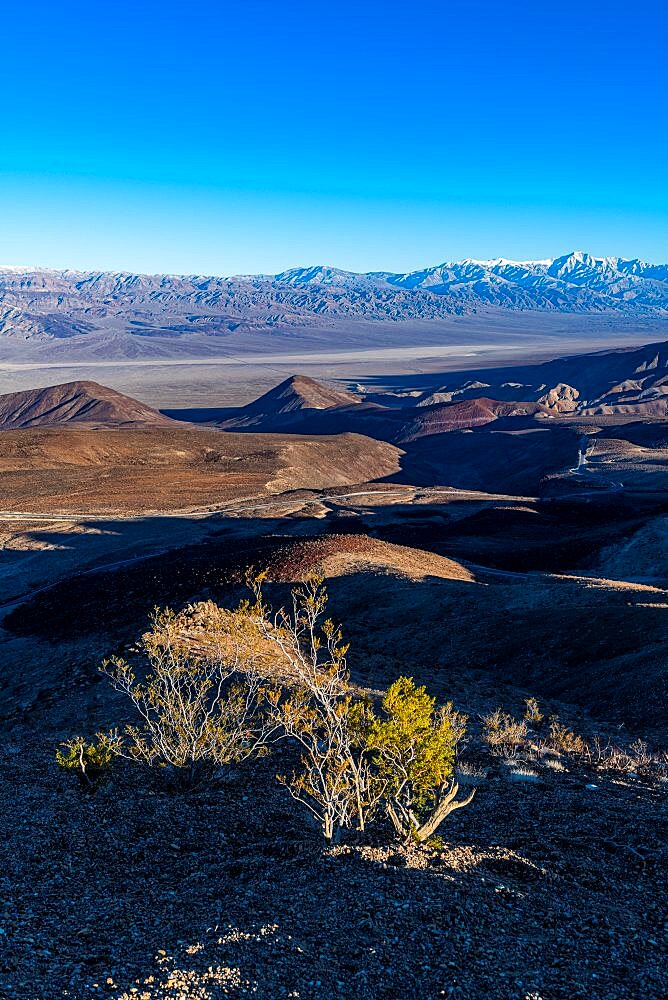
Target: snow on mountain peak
{"points": [[576, 282], [497, 261]]}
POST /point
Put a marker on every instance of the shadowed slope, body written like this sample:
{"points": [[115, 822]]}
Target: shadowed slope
{"points": [[629, 381], [463, 415]]}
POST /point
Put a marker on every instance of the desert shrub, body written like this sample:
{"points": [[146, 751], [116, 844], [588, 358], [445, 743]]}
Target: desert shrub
{"points": [[91, 760], [520, 772], [199, 709], [503, 734], [317, 709], [636, 759], [555, 764], [469, 774], [354, 762], [217, 685], [606, 756], [565, 740], [662, 765], [413, 754], [643, 758], [532, 712], [334, 781]]}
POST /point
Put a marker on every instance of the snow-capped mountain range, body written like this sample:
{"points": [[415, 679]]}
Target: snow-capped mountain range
{"points": [[104, 309], [576, 281]]}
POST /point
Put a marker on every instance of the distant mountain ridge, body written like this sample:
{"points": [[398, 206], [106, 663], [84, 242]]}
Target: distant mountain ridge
{"points": [[135, 313], [552, 283]]}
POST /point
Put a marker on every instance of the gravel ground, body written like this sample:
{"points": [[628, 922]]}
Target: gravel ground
{"points": [[542, 888]]}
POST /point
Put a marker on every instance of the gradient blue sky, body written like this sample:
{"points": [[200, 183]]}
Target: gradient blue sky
{"points": [[252, 136]]}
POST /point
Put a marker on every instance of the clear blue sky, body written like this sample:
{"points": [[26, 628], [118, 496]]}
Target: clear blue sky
{"points": [[249, 136]]}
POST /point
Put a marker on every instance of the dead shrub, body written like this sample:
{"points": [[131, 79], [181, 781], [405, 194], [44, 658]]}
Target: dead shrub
{"points": [[532, 712], [564, 740], [198, 710], [637, 759], [555, 764], [458, 722], [504, 735], [469, 774], [317, 709]]}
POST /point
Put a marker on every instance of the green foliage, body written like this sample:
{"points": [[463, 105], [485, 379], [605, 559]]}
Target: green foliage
{"points": [[413, 746], [89, 760]]}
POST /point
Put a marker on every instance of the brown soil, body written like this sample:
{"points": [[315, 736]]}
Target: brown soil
{"points": [[155, 469]]}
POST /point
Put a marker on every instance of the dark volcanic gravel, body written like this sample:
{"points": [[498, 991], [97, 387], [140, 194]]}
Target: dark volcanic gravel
{"points": [[541, 889]]}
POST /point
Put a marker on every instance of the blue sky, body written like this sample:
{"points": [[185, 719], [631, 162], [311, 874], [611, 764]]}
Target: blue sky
{"points": [[252, 136]]}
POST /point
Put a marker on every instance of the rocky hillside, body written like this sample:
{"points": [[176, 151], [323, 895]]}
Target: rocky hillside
{"points": [[632, 381], [175, 467], [508, 429]]}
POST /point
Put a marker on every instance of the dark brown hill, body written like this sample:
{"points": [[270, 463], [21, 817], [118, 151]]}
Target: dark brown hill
{"points": [[284, 405], [76, 403], [344, 555], [463, 415]]}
